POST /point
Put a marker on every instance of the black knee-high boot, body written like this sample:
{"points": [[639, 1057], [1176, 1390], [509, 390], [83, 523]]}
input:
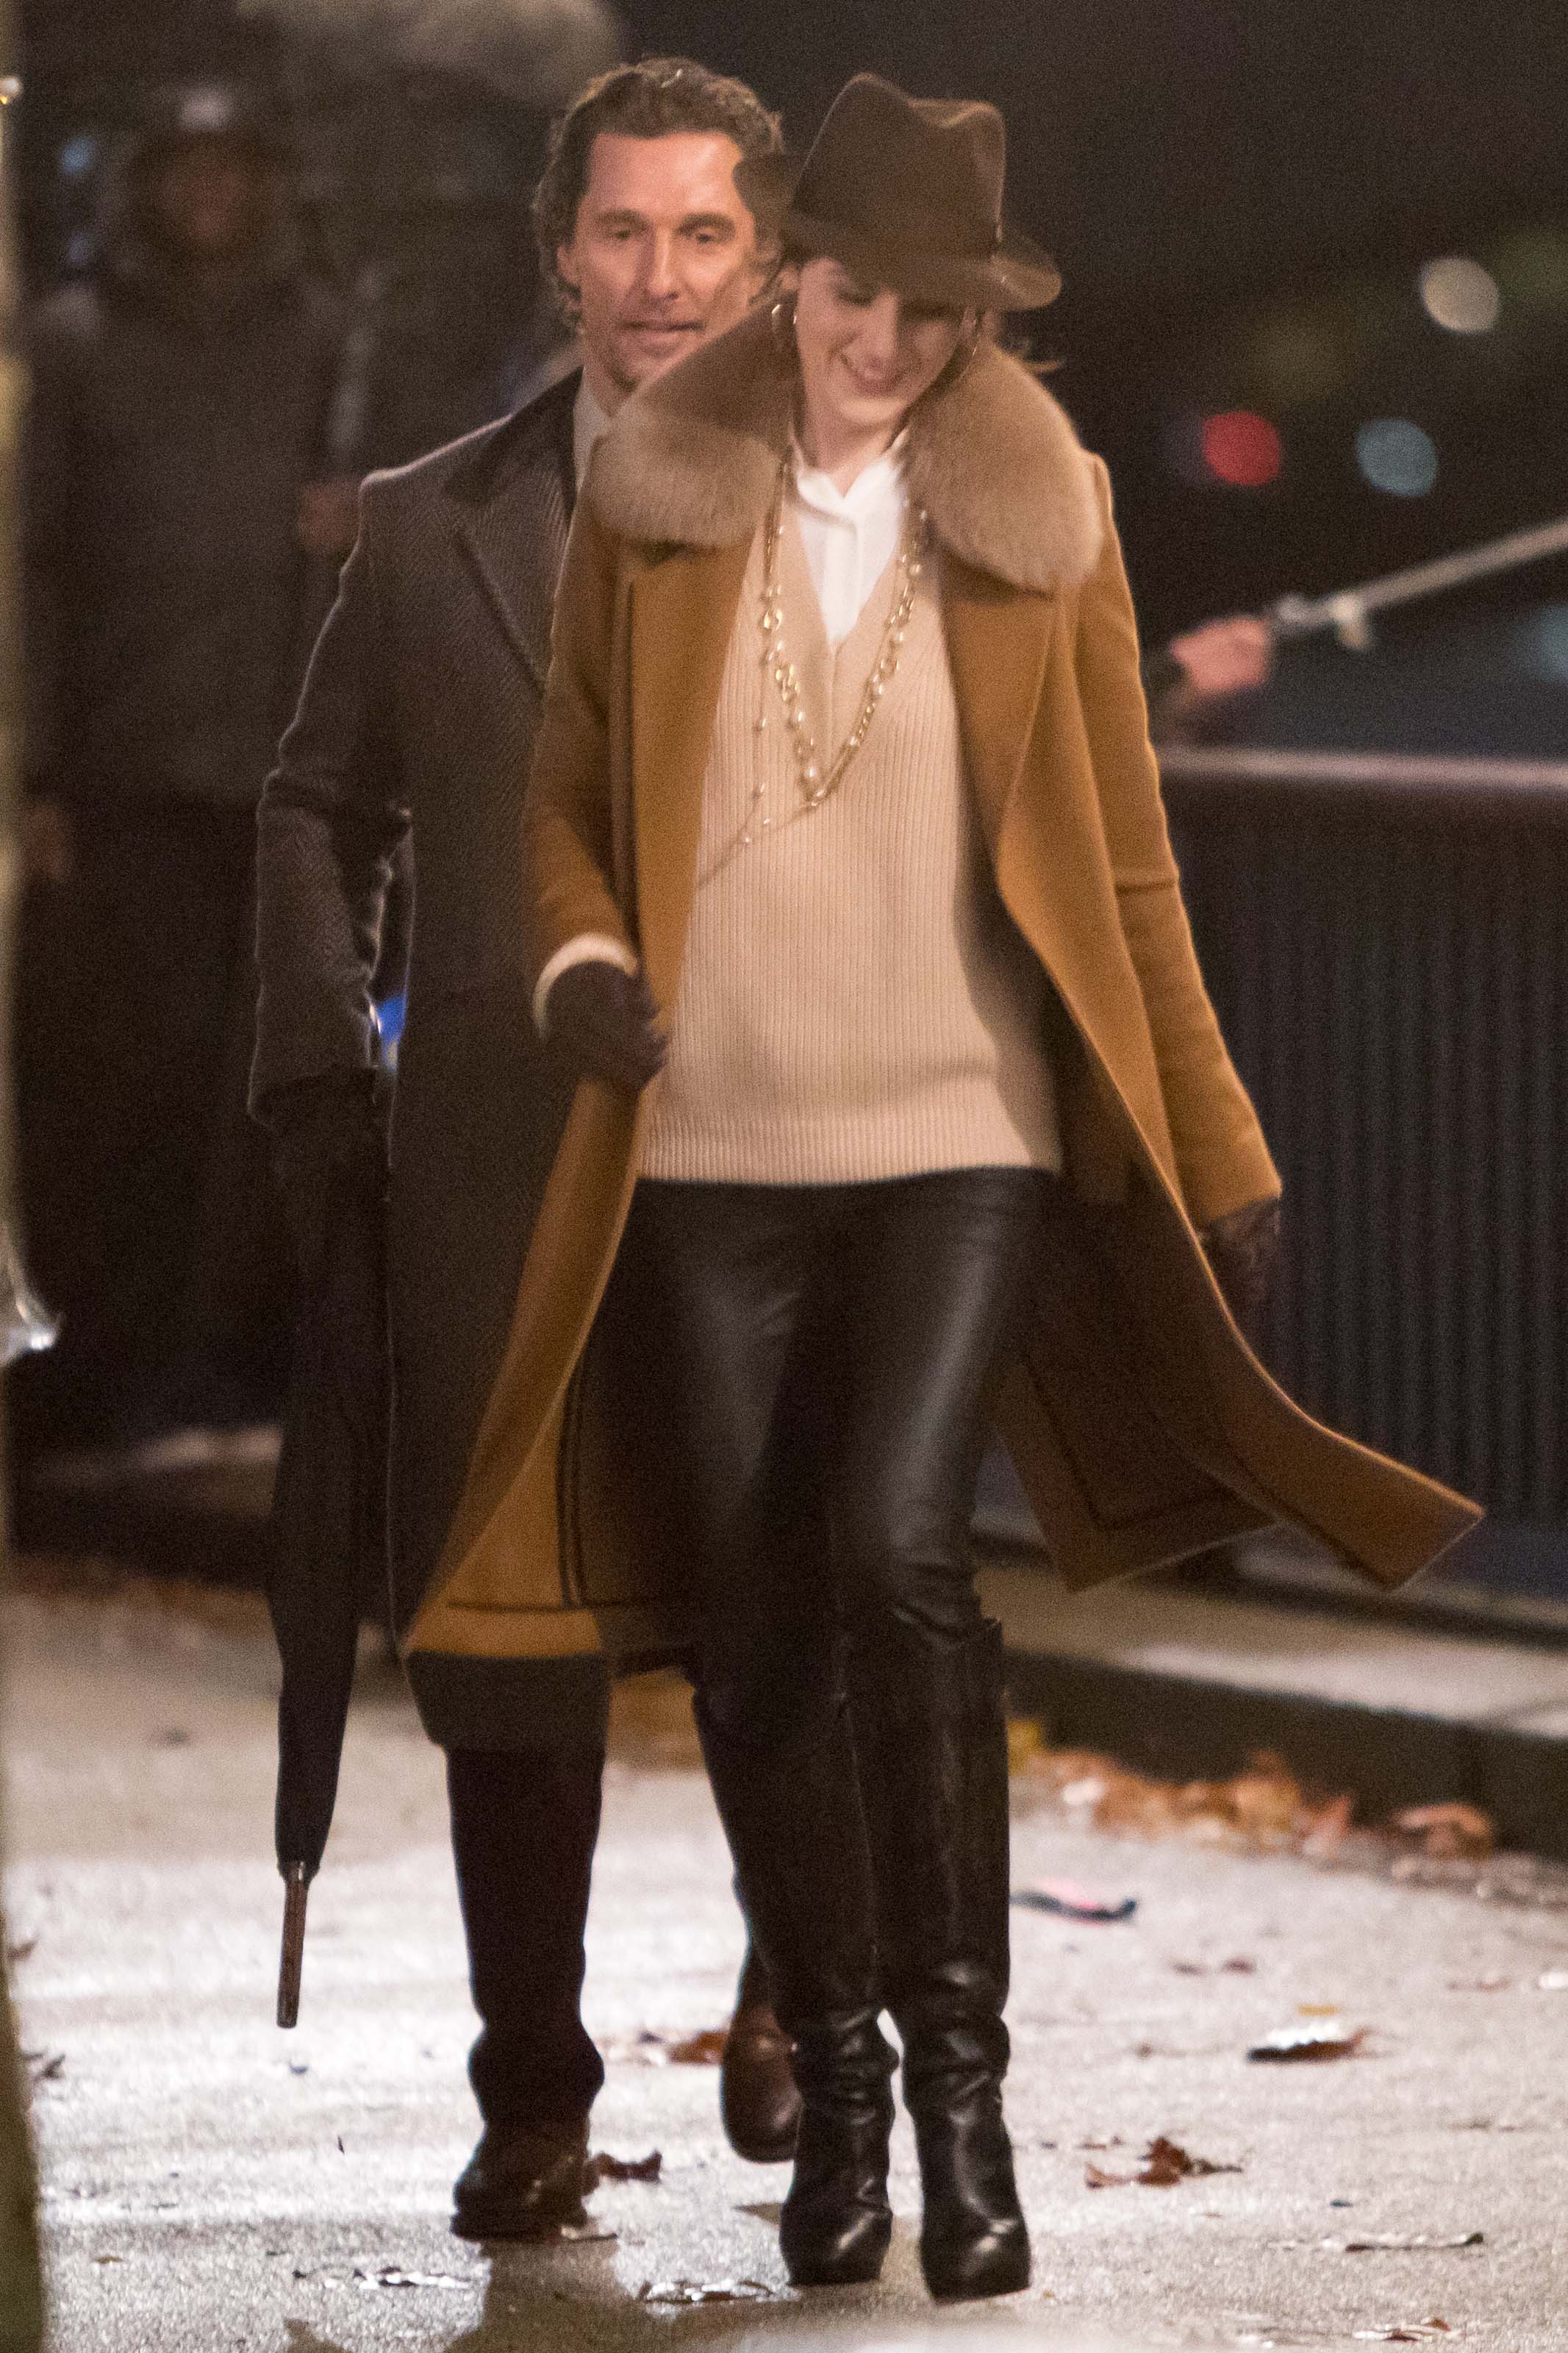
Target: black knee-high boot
{"points": [[932, 1742], [793, 1822]]}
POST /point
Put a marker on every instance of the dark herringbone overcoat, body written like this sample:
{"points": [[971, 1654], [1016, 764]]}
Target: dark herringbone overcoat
{"points": [[419, 713]]}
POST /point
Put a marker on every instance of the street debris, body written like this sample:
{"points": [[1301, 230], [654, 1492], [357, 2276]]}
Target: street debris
{"points": [[1494, 1984], [1405, 2332], [603, 2166], [1390, 2242], [1265, 1807], [1068, 1901], [1316, 2037], [44, 2066], [742, 2291], [1240, 1966], [1166, 2163], [671, 2049], [21, 1951], [1553, 1981], [1448, 1831], [390, 2275]]}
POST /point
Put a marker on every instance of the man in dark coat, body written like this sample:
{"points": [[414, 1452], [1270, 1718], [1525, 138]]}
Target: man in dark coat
{"points": [[418, 716], [177, 404]]}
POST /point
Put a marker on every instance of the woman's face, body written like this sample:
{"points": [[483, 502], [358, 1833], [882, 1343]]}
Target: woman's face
{"points": [[866, 354]]}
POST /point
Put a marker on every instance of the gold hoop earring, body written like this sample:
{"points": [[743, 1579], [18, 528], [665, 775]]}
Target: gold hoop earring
{"points": [[781, 320]]}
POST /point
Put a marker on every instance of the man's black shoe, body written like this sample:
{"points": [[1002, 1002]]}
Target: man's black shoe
{"points": [[757, 2094], [523, 2181]]}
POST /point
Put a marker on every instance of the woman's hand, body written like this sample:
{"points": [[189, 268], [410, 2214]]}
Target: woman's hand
{"points": [[1242, 1250], [605, 1021]]}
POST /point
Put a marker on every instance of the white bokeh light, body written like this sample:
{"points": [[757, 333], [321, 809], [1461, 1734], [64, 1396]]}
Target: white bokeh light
{"points": [[1458, 294]]}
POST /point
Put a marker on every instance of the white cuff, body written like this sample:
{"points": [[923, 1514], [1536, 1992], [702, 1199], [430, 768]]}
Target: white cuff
{"points": [[588, 947]]}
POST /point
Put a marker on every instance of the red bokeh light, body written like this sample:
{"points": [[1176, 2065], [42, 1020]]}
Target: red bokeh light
{"points": [[1241, 449]]}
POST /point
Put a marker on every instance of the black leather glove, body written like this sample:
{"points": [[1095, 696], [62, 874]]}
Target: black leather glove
{"points": [[327, 1140], [605, 1023], [1242, 1250]]}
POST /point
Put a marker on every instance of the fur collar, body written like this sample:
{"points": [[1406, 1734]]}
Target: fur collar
{"points": [[692, 460]]}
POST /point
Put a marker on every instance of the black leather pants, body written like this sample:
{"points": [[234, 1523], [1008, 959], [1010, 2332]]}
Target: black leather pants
{"points": [[830, 1350]]}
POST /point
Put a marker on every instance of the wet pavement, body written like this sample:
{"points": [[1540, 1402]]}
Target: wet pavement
{"points": [[212, 2184]]}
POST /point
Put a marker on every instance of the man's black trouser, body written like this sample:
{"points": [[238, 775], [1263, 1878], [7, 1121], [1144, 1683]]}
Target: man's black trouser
{"points": [[523, 1827]]}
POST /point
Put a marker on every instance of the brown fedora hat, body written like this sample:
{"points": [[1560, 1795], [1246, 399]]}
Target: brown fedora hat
{"points": [[905, 192]]}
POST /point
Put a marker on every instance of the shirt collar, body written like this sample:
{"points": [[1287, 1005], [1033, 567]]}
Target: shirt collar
{"points": [[879, 484], [589, 423]]}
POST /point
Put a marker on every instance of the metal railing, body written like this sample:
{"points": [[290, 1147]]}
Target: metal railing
{"points": [[1386, 938]]}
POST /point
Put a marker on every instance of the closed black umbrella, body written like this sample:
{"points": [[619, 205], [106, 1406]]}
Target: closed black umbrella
{"points": [[327, 1567]]}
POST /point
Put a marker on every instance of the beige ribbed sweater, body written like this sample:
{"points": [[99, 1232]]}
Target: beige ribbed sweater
{"points": [[855, 1001]]}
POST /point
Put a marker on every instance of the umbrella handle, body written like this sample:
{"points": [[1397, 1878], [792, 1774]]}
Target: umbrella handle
{"points": [[296, 1894]]}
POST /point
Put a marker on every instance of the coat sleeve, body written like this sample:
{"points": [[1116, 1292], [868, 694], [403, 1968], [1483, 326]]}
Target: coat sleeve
{"points": [[568, 856], [1222, 1160], [332, 823]]}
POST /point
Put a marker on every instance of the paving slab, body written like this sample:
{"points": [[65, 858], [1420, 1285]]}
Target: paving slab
{"points": [[211, 2184]]}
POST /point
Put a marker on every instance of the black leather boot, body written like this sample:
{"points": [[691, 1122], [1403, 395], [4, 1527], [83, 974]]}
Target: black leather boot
{"points": [[930, 1736], [797, 1834]]}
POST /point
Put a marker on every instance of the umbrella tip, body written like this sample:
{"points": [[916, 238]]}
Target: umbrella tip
{"points": [[297, 1889]]}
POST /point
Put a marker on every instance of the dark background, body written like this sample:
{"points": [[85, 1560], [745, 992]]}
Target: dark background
{"points": [[1219, 178]]}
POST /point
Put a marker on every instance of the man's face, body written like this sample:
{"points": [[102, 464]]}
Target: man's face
{"points": [[663, 254], [208, 198]]}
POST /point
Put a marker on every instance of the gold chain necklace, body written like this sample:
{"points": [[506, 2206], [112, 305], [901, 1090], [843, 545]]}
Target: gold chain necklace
{"points": [[818, 780]]}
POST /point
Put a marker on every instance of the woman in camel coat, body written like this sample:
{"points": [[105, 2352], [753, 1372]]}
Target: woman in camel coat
{"points": [[902, 1108]]}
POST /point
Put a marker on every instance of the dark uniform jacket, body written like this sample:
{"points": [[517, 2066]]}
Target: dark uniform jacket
{"points": [[419, 711], [169, 436]]}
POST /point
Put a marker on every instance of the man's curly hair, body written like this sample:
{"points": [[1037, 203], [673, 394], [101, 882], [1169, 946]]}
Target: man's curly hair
{"points": [[651, 100]]}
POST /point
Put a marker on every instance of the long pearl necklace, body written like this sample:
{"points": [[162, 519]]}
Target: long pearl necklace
{"points": [[817, 780]]}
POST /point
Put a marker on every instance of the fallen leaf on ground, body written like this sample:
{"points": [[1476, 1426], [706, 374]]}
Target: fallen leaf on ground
{"points": [[1390, 2242], [1166, 2163], [704, 2291], [1240, 1967], [44, 2066], [667, 2050], [1070, 1902], [704, 2050], [1449, 1831], [21, 1952], [1328, 2039], [1404, 2332], [109, 2259], [391, 2276], [603, 2166]]}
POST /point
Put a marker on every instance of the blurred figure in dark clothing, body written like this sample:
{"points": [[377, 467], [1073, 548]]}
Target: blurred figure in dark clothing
{"points": [[178, 406]]}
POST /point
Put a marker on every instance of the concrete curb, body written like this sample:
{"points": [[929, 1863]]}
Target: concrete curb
{"points": [[1184, 1726]]}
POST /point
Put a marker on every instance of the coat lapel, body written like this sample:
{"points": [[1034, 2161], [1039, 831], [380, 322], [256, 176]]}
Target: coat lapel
{"points": [[513, 537], [682, 614]]}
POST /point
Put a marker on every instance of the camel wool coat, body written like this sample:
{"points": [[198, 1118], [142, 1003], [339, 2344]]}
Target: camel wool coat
{"points": [[1141, 1423]]}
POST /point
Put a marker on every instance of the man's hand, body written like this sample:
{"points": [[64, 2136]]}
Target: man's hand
{"points": [[1242, 1250], [606, 1022], [326, 1139]]}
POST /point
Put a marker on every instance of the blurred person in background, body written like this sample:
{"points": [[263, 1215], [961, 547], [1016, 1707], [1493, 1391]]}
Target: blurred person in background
{"points": [[417, 720], [177, 412]]}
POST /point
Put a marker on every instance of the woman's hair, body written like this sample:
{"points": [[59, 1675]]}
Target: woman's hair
{"points": [[651, 100]]}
